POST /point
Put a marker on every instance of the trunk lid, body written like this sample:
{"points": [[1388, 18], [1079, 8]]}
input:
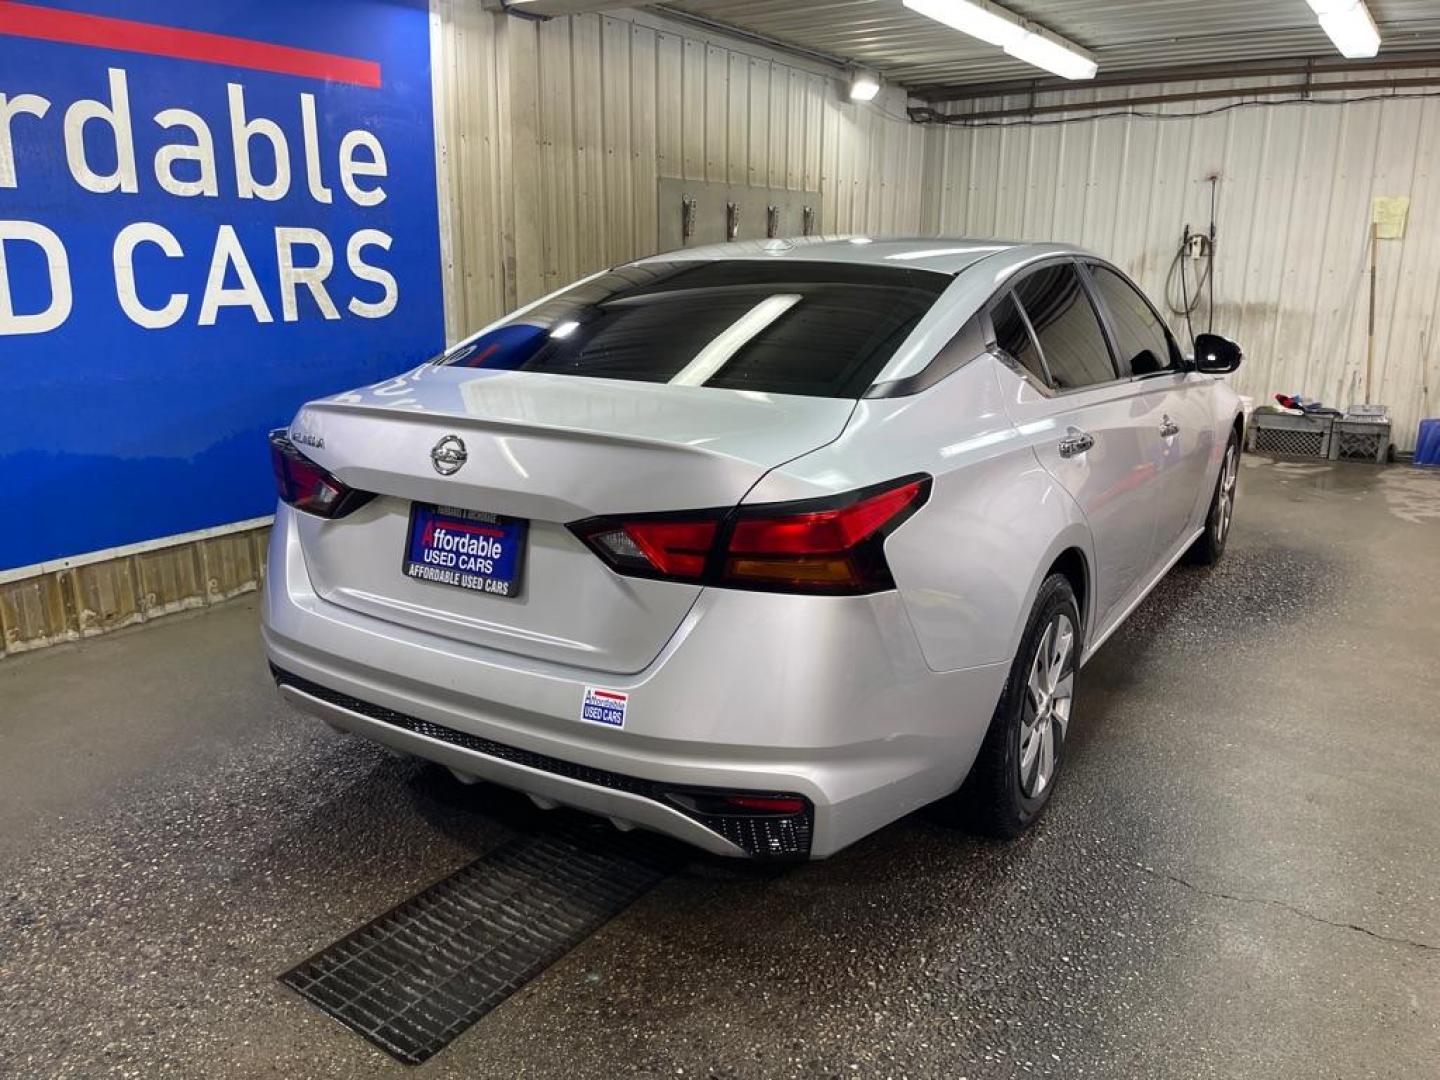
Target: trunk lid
{"points": [[549, 449]]}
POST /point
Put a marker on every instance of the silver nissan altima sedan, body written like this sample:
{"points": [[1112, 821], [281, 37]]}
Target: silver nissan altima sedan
{"points": [[761, 545]]}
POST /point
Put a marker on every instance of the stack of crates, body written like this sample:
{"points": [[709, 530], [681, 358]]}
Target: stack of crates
{"points": [[1363, 434]]}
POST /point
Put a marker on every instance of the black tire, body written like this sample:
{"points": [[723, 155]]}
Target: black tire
{"points": [[993, 799], [1210, 546]]}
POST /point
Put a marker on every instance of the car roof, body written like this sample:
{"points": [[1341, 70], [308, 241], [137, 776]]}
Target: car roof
{"points": [[943, 254]]}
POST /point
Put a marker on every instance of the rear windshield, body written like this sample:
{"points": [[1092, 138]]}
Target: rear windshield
{"points": [[813, 328]]}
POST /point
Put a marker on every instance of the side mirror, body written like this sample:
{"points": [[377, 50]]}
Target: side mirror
{"points": [[1215, 355]]}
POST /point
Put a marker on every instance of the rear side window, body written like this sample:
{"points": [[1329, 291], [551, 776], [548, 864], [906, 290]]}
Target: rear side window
{"points": [[813, 328], [1012, 335], [1066, 326], [1140, 335]]}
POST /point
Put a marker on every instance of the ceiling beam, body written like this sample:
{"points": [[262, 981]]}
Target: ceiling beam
{"points": [[704, 22], [1303, 65], [927, 115], [552, 9]]}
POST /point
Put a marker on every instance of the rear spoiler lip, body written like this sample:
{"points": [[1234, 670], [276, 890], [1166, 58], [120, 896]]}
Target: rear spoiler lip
{"points": [[462, 422], [834, 414], [587, 475]]}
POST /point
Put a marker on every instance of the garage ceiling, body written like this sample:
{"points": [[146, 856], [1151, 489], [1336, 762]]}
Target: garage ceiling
{"points": [[1127, 36]]}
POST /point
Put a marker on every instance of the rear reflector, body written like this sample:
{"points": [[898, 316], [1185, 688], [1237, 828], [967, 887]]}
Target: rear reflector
{"points": [[833, 546], [764, 823], [767, 804], [306, 486]]}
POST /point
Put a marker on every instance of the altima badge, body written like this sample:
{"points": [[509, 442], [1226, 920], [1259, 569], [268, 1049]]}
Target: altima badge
{"points": [[449, 454]]}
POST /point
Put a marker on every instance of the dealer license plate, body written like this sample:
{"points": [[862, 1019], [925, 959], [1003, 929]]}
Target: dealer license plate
{"points": [[466, 548]]}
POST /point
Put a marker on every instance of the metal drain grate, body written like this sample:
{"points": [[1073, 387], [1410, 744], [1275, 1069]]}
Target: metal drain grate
{"points": [[419, 975]]}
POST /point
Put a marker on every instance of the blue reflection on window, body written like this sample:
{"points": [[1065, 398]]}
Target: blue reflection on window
{"points": [[505, 348]]}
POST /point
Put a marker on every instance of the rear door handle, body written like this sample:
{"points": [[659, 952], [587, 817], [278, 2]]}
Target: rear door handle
{"points": [[1076, 442], [1168, 428]]}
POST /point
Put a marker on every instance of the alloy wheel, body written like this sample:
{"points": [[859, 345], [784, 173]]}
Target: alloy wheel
{"points": [[1225, 497], [1046, 712]]}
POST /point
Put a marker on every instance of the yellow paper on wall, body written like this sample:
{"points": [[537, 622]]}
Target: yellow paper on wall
{"points": [[1388, 212]]}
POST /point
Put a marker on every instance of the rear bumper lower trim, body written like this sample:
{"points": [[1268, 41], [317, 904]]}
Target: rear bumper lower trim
{"points": [[600, 791]]}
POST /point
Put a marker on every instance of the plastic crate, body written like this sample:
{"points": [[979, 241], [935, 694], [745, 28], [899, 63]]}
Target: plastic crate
{"points": [[1294, 435], [1360, 440]]}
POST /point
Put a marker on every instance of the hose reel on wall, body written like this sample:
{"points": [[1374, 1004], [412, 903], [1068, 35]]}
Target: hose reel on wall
{"points": [[1194, 247]]}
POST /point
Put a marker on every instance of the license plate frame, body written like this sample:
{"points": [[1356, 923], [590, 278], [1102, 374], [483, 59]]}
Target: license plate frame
{"points": [[479, 527]]}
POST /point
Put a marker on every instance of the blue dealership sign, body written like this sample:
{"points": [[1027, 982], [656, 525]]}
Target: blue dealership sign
{"points": [[208, 214]]}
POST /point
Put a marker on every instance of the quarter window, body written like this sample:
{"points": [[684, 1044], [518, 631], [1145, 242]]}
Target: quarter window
{"points": [[1012, 335], [1066, 326], [1141, 337]]}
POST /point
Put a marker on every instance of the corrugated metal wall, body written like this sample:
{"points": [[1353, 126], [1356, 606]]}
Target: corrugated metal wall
{"points": [[554, 135], [1294, 197]]}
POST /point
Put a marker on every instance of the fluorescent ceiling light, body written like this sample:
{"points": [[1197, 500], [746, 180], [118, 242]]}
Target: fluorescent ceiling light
{"points": [[978, 19], [1349, 25], [1049, 54], [1019, 38], [864, 86]]}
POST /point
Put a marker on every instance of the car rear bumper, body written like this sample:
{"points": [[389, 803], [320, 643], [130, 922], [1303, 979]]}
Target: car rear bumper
{"points": [[626, 800], [828, 699]]}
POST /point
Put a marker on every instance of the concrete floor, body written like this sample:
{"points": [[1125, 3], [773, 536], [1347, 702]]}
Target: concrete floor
{"points": [[1239, 876]]}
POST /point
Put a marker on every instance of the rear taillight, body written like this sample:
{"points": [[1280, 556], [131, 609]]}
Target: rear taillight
{"points": [[833, 546], [306, 486], [655, 546]]}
